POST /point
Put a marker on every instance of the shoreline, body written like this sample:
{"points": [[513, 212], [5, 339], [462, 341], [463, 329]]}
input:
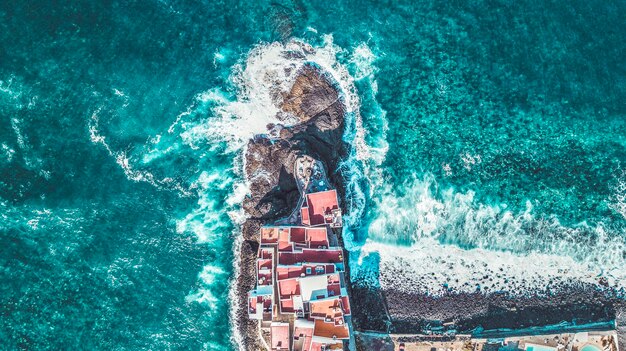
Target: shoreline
{"points": [[268, 169], [269, 159]]}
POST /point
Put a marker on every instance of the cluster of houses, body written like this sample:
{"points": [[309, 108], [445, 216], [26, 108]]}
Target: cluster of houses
{"points": [[300, 298]]}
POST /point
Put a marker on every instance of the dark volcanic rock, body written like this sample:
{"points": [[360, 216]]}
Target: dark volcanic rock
{"points": [[582, 304], [269, 166], [311, 95], [269, 170], [270, 161]]}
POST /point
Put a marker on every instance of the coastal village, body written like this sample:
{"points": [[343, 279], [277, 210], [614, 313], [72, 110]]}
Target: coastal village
{"points": [[300, 300], [294, 282]]}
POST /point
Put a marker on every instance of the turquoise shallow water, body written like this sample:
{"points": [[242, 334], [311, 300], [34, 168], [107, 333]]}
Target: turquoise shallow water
{"points": [[115, 216]]}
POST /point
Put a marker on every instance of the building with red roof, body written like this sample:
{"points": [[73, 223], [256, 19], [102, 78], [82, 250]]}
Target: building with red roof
{"points": [[321, 208], [300, 278]]}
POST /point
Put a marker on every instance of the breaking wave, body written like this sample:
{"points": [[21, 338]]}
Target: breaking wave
{"points": [[124, 161], [438, 239], [617, 201], [258, 82]]}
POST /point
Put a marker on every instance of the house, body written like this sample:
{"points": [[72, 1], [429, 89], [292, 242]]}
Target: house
{"points": [[279, 336], [300, 278], [261, 303], [321, 208]]}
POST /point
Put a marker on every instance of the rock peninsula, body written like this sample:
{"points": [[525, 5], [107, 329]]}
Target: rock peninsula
{"points": [[313, 117]]}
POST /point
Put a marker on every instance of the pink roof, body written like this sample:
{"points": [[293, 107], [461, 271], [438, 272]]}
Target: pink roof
{"points": [[285, 272], [265, 254], [333, 289], [264, 278], [284, 246], [320, 204], [280, 336], [252, 301], [311, 256], [305, 334], [317, 237], [286, 305], [288, 287], [298, 234], [269, 235], [283, 234], [264, 263], [304, 213]]}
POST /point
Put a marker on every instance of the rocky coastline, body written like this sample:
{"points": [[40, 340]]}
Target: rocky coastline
{"points": [[312, 123], [313, 116], [396, 312]]}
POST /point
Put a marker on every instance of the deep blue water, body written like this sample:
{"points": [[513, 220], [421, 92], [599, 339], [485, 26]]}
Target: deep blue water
{"points": [[114, 208]]}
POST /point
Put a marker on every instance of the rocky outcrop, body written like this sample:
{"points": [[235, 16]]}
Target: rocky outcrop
{"points": [[318, 132], [490, 311], [314, 104]]}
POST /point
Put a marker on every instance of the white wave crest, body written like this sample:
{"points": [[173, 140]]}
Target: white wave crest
{"points": [[208, 276], [268, 71], [426, 240], [617, 201]]}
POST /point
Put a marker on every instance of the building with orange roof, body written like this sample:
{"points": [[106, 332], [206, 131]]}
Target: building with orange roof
{"points": [[329, 332], [328, 309], [322, 346]]}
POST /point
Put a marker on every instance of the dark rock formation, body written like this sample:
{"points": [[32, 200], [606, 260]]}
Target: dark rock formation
{"points": [[269, 165], [318, 133], [411, 313]]}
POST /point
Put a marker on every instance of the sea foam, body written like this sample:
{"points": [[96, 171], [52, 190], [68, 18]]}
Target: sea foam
{"points": [[259, 80], [430, 240], [617, 200]]}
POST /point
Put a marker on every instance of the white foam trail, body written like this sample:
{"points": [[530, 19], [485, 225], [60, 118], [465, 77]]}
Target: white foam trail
{"points": [[122, 159], [8, 152], [368, 149], [206, 222], [208, 276], [617, 201], [268, 71], [450, 238]]}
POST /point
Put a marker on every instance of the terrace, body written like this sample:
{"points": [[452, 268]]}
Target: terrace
{"points": [[280, 336], [302, 335], [260, 303], [285, 272], [327, 310]]}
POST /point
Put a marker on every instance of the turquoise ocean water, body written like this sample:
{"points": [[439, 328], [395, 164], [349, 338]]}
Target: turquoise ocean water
{"points": [[485, 125]]}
